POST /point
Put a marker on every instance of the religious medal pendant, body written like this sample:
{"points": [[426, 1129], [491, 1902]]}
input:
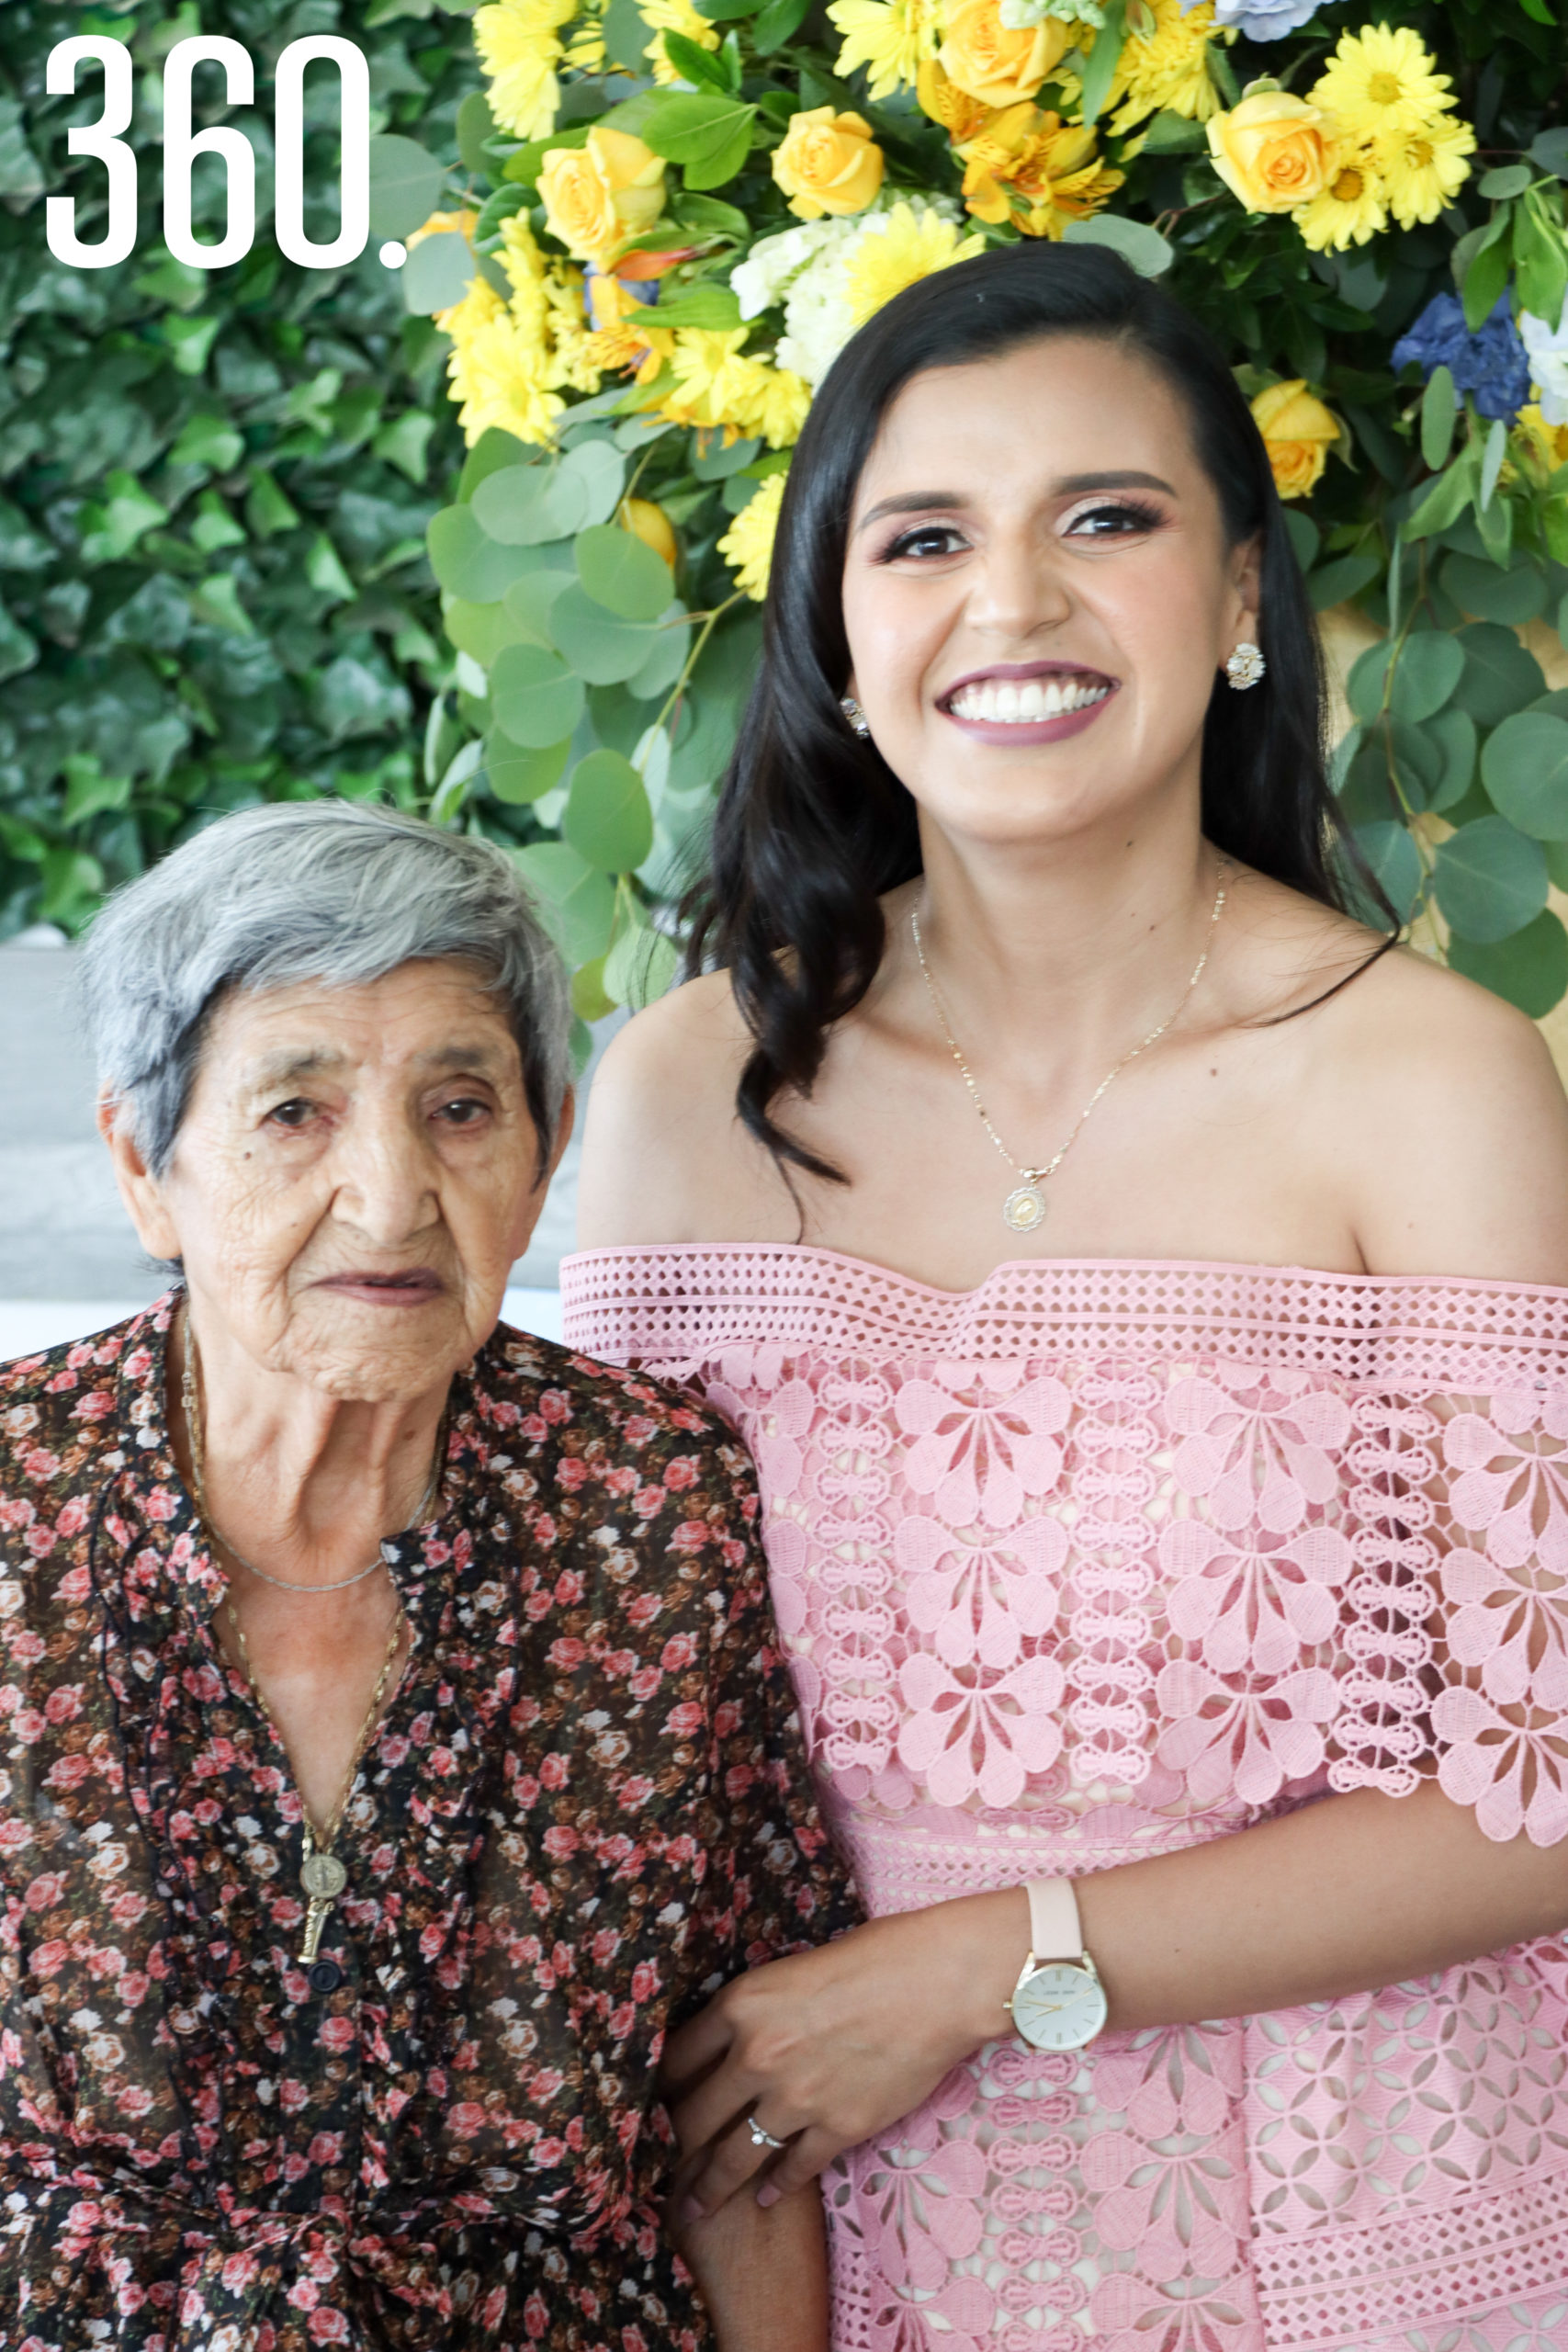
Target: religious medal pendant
{"points": [[1023, 1211], [324, 1878]]}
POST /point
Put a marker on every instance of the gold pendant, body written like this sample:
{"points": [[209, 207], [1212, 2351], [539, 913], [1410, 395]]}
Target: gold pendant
{"points": [[1024, 1207], [322, 1876]]}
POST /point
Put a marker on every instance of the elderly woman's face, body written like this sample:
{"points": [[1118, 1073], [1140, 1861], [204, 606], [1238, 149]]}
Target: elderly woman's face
{"points": [[353, 1177]]}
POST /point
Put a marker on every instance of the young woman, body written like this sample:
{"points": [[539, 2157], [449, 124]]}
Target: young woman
{"points": [[1143, 1296]]}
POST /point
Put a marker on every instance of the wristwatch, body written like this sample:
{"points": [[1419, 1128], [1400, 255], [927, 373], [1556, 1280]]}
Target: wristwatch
{"points": [[1058, 2002]]}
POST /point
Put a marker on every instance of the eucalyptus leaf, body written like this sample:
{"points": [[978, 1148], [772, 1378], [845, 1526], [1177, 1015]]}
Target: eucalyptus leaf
{"points": [[406, 181], [437, 272], [1429, 669], [466, 561], [479, 630], [1137, 242], [1500, 674], [519, 778], [1525, 768], [640, 965], [1489, 880], [1512, 598], [1304, 535], [1505, 180], [622, 574], [537, 700], [1391, 856], [1453, 731], [528, 603], [601, 650], [1438, 408], [1529, 968], [1337, 581], [608, 820], [666, 658], [599, 471], [577, 901]]}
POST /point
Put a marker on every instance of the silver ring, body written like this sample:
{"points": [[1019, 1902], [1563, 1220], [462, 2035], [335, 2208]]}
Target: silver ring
{"points": [[761, 2139]]}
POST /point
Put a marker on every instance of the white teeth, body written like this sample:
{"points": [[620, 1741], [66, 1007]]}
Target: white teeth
{"points": [[1021, 702]]}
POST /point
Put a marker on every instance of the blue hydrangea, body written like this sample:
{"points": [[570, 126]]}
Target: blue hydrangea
{"points": [[1260, 20], [1491, 363]]}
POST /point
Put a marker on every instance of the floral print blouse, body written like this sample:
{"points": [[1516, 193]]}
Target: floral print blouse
{"points": [[586, 1807]]}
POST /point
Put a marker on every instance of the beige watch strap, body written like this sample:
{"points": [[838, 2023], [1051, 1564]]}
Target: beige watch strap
{"points": [[1054, 1932]]}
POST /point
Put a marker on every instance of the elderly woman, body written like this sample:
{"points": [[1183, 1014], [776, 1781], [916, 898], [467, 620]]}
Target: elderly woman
{"points": [[395, 1739]]}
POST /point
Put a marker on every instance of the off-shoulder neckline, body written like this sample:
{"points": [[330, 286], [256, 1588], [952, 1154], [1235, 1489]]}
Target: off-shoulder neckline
{"points": [[814, 1253]]}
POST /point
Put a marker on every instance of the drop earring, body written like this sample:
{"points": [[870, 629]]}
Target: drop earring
{"points": [[1246, 666], [856, 718]]}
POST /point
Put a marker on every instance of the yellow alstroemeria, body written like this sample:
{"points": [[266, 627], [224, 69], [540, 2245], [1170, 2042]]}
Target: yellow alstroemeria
{"points": [[1036, 171]]}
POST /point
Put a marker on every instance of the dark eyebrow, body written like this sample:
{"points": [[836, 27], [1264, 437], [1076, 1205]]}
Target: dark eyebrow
{"points": [[483, 1060], [918, 501]]}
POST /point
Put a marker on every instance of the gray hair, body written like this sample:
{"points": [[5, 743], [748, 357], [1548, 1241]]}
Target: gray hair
{"points": [[325, 890]]}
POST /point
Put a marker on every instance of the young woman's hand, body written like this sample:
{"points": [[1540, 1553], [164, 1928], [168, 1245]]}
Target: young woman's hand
{"points": [[827, 2047]]}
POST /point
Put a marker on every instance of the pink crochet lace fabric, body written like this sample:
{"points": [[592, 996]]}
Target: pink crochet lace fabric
{"points": [[1103, 1559]]}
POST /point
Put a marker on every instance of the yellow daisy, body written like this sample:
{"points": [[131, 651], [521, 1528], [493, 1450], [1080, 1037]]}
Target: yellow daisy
{"points": [[748, 546], [497, 376], [1383, 80], [673, 16], [576, 362], [1351, 210], [779, 400], [892, 38], [517, 44], [1167, 69], [1534, 438], [886, 260], [1425, 169]]}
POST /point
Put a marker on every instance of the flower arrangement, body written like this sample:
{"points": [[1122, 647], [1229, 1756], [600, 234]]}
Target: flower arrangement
{"points": [[668, 217]]}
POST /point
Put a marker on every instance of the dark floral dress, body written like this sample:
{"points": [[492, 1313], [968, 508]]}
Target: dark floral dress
{"points": [[586, 1807]]}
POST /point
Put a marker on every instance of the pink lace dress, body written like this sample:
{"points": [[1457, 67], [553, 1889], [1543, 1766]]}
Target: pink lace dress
{"points": [[1103, 1559]]}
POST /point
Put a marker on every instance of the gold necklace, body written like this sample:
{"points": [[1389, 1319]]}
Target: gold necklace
{"points": [[1023, 1210], [321, 1874]]}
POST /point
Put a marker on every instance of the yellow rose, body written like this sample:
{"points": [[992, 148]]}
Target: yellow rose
{"points": [[1298, 433], [649, 524], [993, 65], [599, 196], [1273, 151], [828, 163]]}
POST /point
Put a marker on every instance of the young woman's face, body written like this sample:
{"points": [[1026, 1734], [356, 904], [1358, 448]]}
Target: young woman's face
{"points": [[1038, 593]]}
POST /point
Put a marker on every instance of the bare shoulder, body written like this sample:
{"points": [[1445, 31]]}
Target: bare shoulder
{"points": [[1452, 1125], [664, 1156]]}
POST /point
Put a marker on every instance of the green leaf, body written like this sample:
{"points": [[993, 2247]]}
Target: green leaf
{"points": [[524, 167], [1525, 769], [695, 63], [467, 561], [709, 215], [1337, 582], [1430, 665], [1511, 597], [1500, 674], [537, 700], [664, 663], [1484, 280], [518, 776], [406, 182], [714, 461], [1139, 244], [474, 125], [88, 792], [1304, 535], [1104, 58], [1173, 134], [779, 21], [720, 166], [524, 507], [1529, 969], [1453, 731], [1491, 459], [1444, 502], [209, 441], [725, 12], [599, 467], [619, 572], [478, 630], [1541, 261], [528, 603], [1550, 150], [608, 819], [714, 307], [601, 650], [577, 903], [626, 36], [1490, 880], [491, 452], [1504, 180], [1439, 406], [1391, 855], [1364, 686], [1417, 761], [437, 272], [640, 965], [689, 128]]}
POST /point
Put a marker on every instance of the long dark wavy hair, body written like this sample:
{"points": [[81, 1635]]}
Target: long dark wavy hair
{"points": [[813, 826]]}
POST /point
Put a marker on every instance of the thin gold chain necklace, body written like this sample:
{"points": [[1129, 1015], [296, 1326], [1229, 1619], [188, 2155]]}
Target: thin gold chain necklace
{"points": [[1023, 1210], [322, 1877]]}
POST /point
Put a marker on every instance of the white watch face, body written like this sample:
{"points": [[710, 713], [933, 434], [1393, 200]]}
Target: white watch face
{"points": [[1059, 2007]]}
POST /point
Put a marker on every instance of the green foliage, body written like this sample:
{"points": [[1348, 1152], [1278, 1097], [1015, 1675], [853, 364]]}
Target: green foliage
{"points": [[214, 487]]}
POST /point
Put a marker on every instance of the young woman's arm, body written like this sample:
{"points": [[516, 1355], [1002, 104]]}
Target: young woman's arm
{"points": [[763, 2274], [1345, 1895]]}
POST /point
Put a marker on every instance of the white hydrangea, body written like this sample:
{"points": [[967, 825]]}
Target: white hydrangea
{"points": [[1548, 348], [805, 268]]}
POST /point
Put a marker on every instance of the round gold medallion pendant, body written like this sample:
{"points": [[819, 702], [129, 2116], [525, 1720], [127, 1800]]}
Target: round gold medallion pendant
{"points": [[322, 1876], [1025, 1208]]}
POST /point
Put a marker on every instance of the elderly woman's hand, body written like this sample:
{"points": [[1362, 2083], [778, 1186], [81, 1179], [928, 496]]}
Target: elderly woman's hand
{"points": [[827, 2047]]}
